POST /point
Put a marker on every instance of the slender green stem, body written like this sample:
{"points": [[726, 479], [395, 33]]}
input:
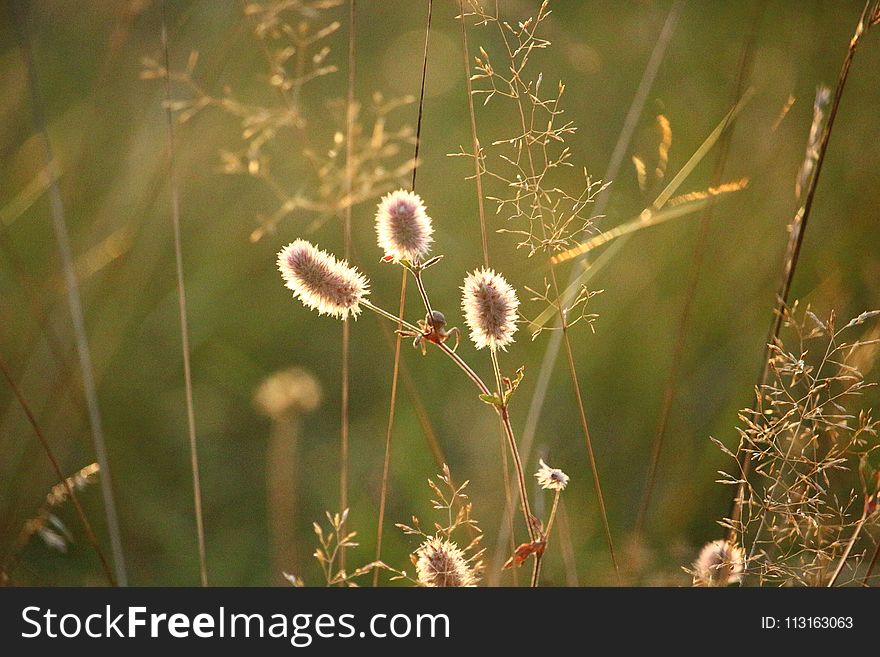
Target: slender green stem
{"points": [[849, 547], [484, 389], [183, 315], [387, 315], [386, 461], [514, 450], [552, 514], [417, 273], [536, 572], [346, 234], [473, 376]]}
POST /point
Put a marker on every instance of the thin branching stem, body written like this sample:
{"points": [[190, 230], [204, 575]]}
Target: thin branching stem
{"points": [[870, 571]]}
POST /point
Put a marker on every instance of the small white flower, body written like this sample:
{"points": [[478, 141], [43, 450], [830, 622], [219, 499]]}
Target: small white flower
{"points": [[551, 478]]}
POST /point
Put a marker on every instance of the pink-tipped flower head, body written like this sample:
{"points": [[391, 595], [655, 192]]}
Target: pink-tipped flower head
{"points": [[320, 281], [441, 563], [720, 563], [489, 304], [402, 227]]}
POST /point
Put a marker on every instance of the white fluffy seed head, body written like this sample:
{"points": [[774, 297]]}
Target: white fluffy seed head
{"points": [[403, 228], [441, 563], [719, 564], [489, 304], [551, 478], [320, 281]]}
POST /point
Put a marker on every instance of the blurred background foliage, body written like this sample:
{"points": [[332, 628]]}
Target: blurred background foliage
{"points": [[107, 127]]}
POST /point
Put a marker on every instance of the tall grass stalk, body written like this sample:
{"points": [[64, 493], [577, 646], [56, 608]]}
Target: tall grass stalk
{"points": [[475, 141], [182, 311], [346, 236], [74, 302], [56, 467], [395, 370], [681, 334], [870, 17]]}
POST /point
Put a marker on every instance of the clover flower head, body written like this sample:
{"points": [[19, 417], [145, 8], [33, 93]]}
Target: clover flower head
{"points": [[320, 281], [403, 228], [720, 563], [489, 304]]}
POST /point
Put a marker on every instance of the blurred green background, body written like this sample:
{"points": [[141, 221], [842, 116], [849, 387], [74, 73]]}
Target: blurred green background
{"points": [[107, 128]]}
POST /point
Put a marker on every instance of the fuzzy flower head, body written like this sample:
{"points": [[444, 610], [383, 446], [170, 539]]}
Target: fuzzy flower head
{"points": [[489, 304], [441, 563], [402, 227], [551, 478], [719, 564], [320, 281]]}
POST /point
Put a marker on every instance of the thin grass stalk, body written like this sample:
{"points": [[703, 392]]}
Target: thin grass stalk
{"points": [[566, 545], [386, 462], [615, 163], [539, 557], [346, 236], [846, 552], [389, 430], [870, 571], [182, 310], [475, 141], [798, 226], [87, 526], [682, 330], [74, 302]]}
